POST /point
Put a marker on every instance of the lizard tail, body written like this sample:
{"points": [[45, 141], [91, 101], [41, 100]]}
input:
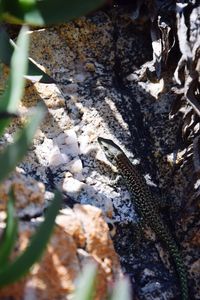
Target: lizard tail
{"points": [[180, 268]]}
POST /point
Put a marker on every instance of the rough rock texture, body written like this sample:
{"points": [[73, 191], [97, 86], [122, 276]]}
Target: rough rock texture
{"points": [[28, 192], [81, 237], [97, 64]]}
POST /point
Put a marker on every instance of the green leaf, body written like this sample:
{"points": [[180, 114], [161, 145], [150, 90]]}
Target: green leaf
{"points": [[6, 49], [1, 9], [22, 264], [122, 290], [34, 73], [86, 284], [43, 12], [27, 4], [10, 232], [14, 153], [10, 99]]}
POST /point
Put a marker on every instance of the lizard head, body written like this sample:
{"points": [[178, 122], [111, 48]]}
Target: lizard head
{"points": [[111, 150]]}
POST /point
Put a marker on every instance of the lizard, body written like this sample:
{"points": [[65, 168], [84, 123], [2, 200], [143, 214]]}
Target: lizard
{"points": [[146, 206]]}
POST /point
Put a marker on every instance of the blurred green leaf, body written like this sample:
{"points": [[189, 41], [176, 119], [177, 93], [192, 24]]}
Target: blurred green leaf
{"points": [[27, 4], [86, 284], [1, 9], [6, 49], [14, 153], [43, 12], [22, 264], [34, 73], [13, 94], [10, 232], [122, 290], [10, 99]]}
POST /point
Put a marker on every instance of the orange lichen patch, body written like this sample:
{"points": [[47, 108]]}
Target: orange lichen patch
{"points": [[88, 227], [99, 245], [82, 35], [44, 53], [26, 190], [78, 33], [96, 230], [15, 290], [71, 225], [90, 67], [54, 276], [49, 93]]}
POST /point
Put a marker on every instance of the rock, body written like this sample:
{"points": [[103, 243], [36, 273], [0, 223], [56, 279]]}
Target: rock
{"points": [[72, 186], [57, 158], [75, 166], [65, 257], [29, 194]]}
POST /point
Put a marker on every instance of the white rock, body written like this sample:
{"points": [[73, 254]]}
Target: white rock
{"points": [[57, 158], [71, 143], [83, 144], [43, 151], [75, 166], [71, 185], [60, 139], [131, 77], [68, 143], [71, 137], [71, 150]]}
